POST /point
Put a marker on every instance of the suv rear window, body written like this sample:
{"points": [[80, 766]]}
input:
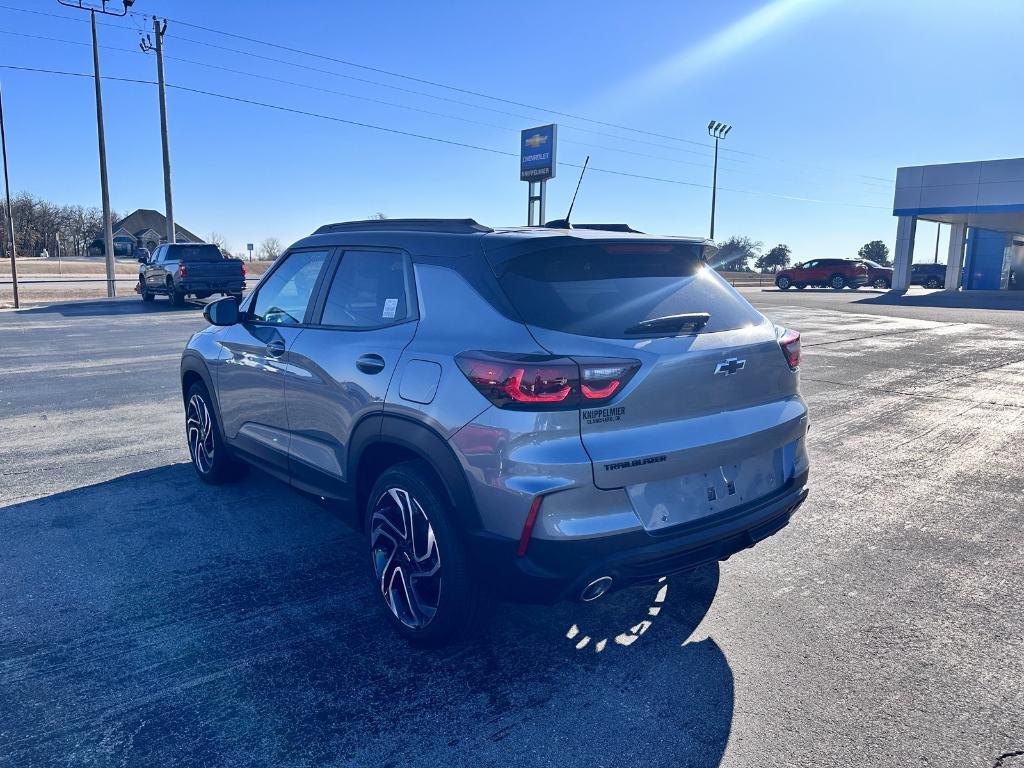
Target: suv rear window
{"points": [[198, 252], [605, 289]]}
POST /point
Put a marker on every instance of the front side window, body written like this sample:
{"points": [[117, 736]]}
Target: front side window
{"points": [[285, 296], [369, 290]]}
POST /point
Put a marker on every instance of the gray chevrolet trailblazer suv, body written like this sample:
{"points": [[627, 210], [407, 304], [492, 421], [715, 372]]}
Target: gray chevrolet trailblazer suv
{"points": [[537, 414]]}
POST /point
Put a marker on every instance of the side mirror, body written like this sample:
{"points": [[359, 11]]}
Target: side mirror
{"points": [[143, 259], [222, 312]]}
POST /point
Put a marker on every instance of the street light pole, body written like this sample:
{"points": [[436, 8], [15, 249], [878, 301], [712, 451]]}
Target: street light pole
{"points": [[10, 215], [717, 131], [108, 234]]}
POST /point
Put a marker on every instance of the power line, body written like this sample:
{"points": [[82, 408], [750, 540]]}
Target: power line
{"points": [[361, 97], [434, 83], [382, 101], [425, 137], [861, 178], [480, 94]]}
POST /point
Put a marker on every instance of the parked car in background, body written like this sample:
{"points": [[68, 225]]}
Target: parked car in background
{"points": [[928, 275], [826, 273], [190, 269], [543, 413], [878, 276]]}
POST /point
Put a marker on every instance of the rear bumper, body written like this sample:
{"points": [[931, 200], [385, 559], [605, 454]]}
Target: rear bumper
{"points": [[212, 286], [555, 570]]}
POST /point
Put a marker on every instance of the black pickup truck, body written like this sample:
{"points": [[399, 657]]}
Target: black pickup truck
{"points": [[184, 269]]}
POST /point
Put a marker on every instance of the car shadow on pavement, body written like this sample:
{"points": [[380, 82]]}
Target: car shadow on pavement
{"points": [[128, 305], [154, 620], [1011, 300]]}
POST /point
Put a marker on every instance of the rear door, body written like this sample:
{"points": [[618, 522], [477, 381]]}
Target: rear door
{"points": [[341, 365], [709, 408]]}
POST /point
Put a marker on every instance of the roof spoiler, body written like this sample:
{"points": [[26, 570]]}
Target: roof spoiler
{"points": [[564, 224]]}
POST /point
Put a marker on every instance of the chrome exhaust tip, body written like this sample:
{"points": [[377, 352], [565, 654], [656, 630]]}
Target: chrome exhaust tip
{"points": [[595, 589]]}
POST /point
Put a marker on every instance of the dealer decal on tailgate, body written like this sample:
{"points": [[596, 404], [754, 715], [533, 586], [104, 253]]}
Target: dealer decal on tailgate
{"points": [[604, 415]]}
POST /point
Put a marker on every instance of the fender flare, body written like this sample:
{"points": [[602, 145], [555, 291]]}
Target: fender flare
{"points": [[194, 363], [425, 443]]}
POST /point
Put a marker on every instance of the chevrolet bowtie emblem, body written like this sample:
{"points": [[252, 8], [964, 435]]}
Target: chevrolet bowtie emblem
{"points": [[536, 140], [730, 366]]}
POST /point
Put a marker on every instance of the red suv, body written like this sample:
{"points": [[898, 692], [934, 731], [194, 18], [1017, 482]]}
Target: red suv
{"points": [[827, 273]]}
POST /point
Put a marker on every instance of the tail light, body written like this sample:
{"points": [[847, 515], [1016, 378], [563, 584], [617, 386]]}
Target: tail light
{"points": [[540, 382], [182, 270], [243, 269], [790, 343]]}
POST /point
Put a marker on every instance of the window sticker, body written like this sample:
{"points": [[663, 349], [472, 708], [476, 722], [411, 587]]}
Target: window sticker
{"points": [[390, 308]]}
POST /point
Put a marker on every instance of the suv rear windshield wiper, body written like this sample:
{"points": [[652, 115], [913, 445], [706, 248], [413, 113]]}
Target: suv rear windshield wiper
{"points": [[694, 320]]}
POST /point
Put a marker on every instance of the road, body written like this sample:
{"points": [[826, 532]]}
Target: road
{"points": [[146, 619]]}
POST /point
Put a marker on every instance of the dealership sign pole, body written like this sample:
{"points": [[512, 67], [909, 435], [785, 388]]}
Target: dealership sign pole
{"points": [[537, 164]]}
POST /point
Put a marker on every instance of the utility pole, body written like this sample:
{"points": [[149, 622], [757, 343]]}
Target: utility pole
{"points": [[158, 32], [717, 131], [938, 229], [108, 234], [10, 216]]}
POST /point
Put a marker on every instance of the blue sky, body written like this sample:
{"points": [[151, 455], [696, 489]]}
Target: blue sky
{"points": [[828, 98]]}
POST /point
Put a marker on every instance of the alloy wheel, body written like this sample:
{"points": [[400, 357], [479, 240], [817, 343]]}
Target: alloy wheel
{"points": [[199, 430], [406, 558]]}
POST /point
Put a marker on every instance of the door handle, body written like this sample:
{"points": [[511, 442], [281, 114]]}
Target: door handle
{"points": [[275, 348], [370, 363]]}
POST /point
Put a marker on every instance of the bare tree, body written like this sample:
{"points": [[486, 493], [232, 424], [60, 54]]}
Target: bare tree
{"points": [[40, 224], [269, 249], [216, 238], [377, 216]]}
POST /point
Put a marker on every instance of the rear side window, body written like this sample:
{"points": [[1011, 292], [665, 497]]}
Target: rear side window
{"points": [[607, 289], [193, 253], [369, 290]]}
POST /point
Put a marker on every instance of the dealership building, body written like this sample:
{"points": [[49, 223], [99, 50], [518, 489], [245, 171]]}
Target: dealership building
{"points": [[983, 204]]}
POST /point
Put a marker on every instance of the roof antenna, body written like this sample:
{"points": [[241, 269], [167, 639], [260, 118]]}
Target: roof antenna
{"points": [[564, 223]]}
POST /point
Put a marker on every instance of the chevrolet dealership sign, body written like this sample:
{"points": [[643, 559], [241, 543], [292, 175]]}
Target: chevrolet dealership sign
{"points": [[537, 153]]}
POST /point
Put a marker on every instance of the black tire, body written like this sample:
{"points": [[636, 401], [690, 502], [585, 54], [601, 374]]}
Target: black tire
{"points": [[428, 593], [837, 282], [881, 283], [211, 459], [932, 282], [175, 297], [782, 282], [146, 295]]}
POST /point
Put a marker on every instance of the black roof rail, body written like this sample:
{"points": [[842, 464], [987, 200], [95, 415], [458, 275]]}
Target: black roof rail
{"points": [[444, 226]]}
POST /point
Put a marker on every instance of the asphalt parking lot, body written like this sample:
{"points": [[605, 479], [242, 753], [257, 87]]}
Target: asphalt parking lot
{"points": [[146, 619]]}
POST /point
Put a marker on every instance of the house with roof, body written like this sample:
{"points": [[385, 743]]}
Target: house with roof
{"points": [[144, 228]]}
